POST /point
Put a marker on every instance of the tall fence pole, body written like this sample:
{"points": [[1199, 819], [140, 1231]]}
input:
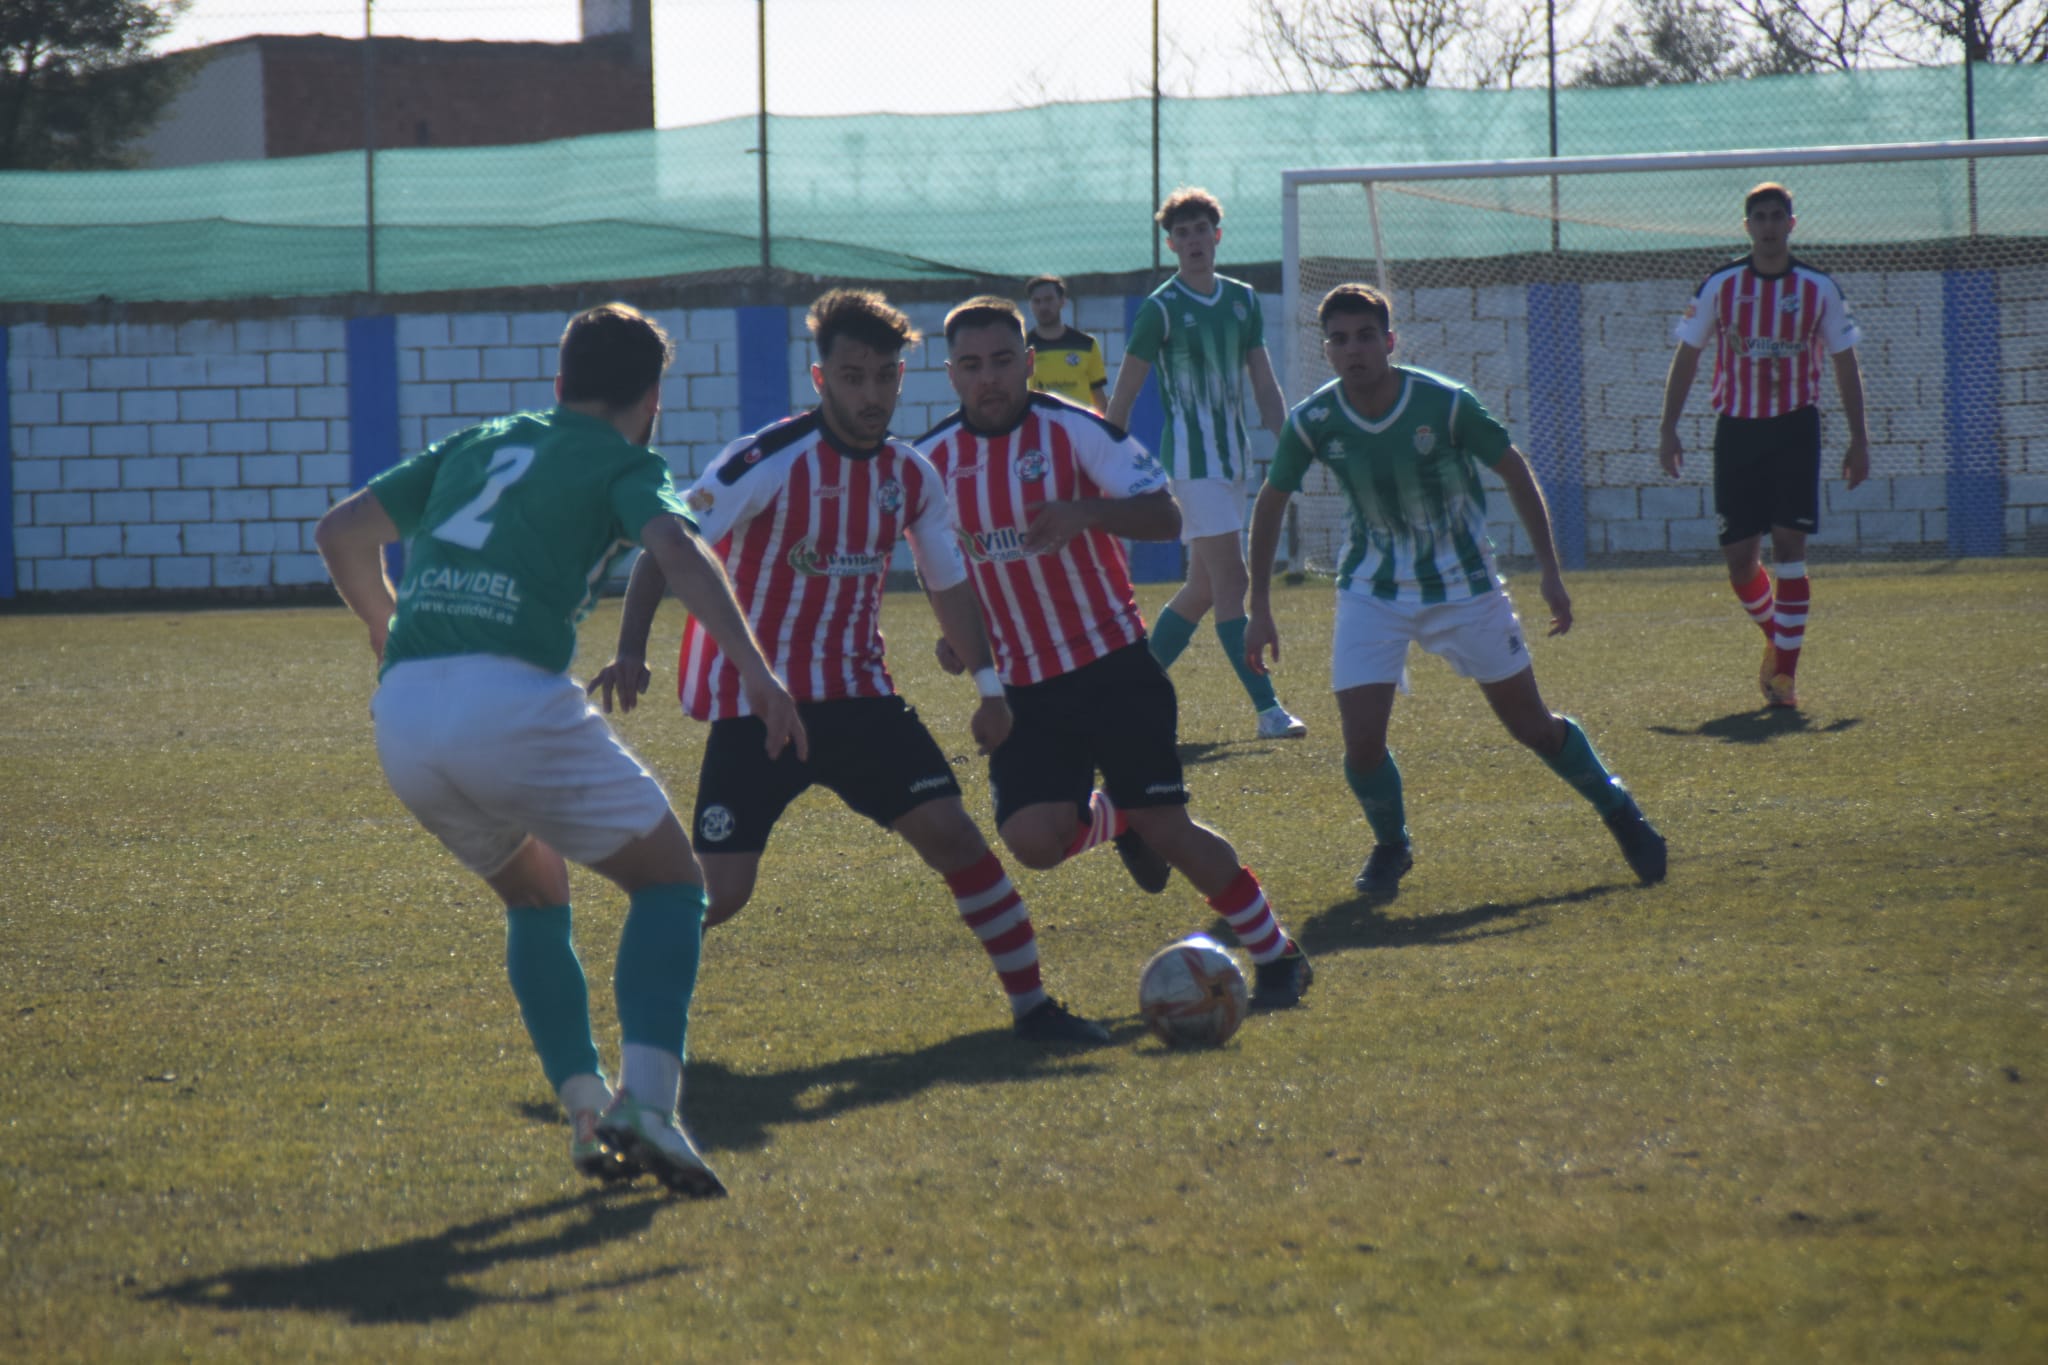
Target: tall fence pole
{"points": [[761, 130], [370, 146], [1155, 128]]}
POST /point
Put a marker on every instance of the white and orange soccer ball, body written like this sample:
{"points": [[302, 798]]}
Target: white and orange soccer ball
{"points": [[1192, 994]]}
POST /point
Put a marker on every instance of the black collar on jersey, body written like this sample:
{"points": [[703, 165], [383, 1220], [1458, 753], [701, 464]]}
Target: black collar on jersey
{"points": [[845, 451], [1073, 339]]}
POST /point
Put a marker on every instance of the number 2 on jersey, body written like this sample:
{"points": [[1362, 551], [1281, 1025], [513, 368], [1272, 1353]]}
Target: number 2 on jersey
{"points": [[468, 527]]}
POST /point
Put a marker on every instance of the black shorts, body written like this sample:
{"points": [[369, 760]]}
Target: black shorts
{"points": [[1767, 473], [872, 752], [1118, 714]]}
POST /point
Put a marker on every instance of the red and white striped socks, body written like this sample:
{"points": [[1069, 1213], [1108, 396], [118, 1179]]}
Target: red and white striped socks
{"points": [[1795, 593], [991, 907], [1755, 596], [1243, 905], [1102, 822]]}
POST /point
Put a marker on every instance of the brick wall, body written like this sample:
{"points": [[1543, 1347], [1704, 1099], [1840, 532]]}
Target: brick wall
{"points": [[198, 455]]}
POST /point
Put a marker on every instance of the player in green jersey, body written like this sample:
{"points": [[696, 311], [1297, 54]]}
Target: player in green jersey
{"points": [[1406, 446], [1204, 334], [509, 527]]}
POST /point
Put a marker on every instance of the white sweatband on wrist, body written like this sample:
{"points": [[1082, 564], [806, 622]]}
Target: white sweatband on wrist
{"points": [[987, 683]]}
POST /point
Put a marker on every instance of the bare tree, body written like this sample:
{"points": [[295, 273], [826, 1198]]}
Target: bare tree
{"points": [[2008, 31], [1400, 44], [1846, 34], [1682, 42]]}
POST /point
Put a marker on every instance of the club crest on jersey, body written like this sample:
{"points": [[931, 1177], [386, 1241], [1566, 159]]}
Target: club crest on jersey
{"points": [[1239, 309], [717, 825], [1789, 304], [1032, 465], [1074, 359], [1425, 440], [889, 495]]}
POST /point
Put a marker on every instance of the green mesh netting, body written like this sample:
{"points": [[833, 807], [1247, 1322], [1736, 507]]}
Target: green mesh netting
{"points": [[1066, 188]]}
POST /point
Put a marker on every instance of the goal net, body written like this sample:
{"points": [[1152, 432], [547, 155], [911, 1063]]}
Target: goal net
{"points": [[1551, 287]]}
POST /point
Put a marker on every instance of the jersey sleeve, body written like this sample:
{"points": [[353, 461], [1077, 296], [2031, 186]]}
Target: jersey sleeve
{"points": [[1148, 332], [1116, 463], [1476, 431], [930, 532], [1292, 456], [733, 489], [1695, 327], [643, 491], [1838, 326], [402, 490]]}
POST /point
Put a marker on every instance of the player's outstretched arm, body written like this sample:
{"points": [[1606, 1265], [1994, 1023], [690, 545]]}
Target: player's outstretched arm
{"points": [[1849, 383], [1130, 382], [351, 540], [1526, 497], [1261, 632], [1266, 390], [1148, 516], [700, 584], [1685, 363], [627, 675]]}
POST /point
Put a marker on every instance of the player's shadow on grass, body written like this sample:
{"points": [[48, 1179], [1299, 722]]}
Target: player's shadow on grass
{"points": [[1196, 755], [735, 1110], [1759, 726], [1359, 923], [421, 1280]]}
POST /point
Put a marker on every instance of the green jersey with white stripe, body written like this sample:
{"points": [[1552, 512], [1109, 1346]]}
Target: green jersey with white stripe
{"points": [[1418, 509], [1198, 345], [510, 528]]}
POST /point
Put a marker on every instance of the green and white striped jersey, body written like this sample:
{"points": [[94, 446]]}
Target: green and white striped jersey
{"points": [[1418, 509], [1197, 345], [510, 528]]}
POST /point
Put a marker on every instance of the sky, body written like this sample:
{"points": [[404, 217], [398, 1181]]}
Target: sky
{"points": [[837, 56]]}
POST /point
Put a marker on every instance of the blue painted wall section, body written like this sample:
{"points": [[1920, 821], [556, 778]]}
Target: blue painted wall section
{"points": [[1152, 561], [764, 366], [1557, 415], [373, 406], [6, 478], [1970, 357]]}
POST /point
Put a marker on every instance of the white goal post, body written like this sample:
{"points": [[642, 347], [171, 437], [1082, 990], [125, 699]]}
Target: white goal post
{"points": [[1551, 286]]}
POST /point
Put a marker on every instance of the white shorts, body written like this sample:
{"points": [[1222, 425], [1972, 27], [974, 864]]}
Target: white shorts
{"points": [[1209, 507], [1480, 637], [485, 750]]}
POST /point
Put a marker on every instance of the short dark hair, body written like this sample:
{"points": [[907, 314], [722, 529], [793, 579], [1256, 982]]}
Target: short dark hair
{"points": [[1055, 281], [1189, 201], [984, 310], [1770, 189], [1356, 298], [612, 354], [861, 315]]}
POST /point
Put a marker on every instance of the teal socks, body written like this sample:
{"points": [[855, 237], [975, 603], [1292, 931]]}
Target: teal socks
{"points": [[657, 968], [1257, 686], [1577, 764], [1170, 635], [1379, 796], [547, 981]]}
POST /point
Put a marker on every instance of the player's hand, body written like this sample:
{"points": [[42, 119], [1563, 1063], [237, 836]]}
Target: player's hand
{"points": [[626, 676], [1054, 524], [1559, 601], [1261, 637], [771, 701], [991, 724], [1856, 464], [1670, 452], [948, 659]]}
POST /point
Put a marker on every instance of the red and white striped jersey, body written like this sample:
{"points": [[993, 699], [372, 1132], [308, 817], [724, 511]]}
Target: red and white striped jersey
{"points": [[805, 531], [1771, 333], [1047, 613]]}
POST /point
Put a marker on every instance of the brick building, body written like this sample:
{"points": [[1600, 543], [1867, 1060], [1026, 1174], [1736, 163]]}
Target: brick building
{"points": [[299, 95]]}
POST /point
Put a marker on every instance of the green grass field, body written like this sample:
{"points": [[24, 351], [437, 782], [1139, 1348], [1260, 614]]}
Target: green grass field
{"points": [[266, 1096]]}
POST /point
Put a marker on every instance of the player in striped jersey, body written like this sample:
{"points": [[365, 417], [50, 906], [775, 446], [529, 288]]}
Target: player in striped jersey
{"points": [[1041, 491], [1772, 319], [1205, 335], [1406, 445], [805, 515]]}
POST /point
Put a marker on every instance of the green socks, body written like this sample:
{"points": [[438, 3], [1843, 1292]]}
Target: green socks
{"points": [[1170, 635], [1257, 686], [657, 968], [547, 981], [1577, 764], [1379, 796]]}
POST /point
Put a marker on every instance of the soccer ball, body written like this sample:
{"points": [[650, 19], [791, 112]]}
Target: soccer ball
{"points": [[1192, 993]]}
